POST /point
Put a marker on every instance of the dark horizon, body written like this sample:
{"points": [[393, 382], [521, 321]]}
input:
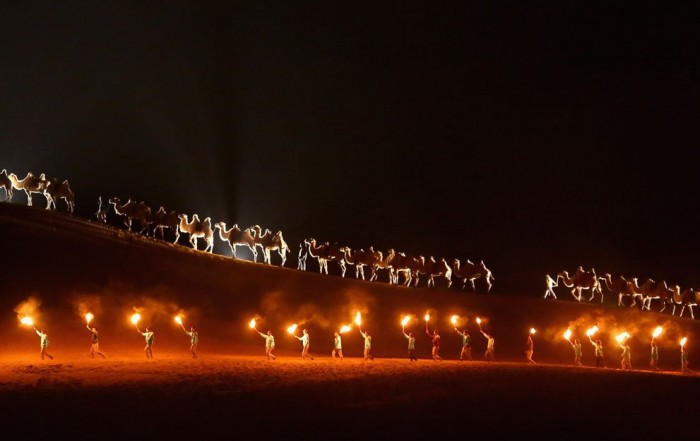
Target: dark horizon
{"points": [[535, 138]]}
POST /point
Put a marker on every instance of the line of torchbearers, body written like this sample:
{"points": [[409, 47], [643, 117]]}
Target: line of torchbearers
{"points": [[337, 352]]}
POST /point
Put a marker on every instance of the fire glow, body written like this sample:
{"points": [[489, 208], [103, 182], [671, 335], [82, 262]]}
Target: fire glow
{"points": [[657, 331], [683, 341], [252, 324], [27, 321], [591, 331], [567, 334], [344, 329], [136, 318], [454, 320], [358, 319], [178, 319], [89, 317], [292, 329], [405, 321], [622, 337]]}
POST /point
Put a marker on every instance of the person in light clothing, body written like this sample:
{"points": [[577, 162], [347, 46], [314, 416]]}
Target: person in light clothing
{"points": [[305, 341], [44, 342]]}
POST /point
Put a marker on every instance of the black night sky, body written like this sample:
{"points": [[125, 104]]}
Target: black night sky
{"points": [[537, 137]]}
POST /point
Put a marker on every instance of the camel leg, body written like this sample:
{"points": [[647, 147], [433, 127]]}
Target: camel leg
{"points": [[473, 285], [342, 267], [690, 308], [682, 309], [29, 197], [283, 255], [662, 309]]}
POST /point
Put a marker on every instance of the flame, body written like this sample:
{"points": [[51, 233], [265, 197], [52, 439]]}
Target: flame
{"points": [[292, 329], [622, 337], [591, 331], [567, 334], [252, 324], [657, 331], [405, 320], [453, 319], [683, 340], [478, 321], [532, 330], [89, 317], [358, 319], [135, 318], [427, 317], [178, 319], [27, 321], [345, 328]]}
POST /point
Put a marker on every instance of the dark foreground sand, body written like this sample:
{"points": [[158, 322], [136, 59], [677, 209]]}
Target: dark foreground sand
{"points": [[231, 397]]}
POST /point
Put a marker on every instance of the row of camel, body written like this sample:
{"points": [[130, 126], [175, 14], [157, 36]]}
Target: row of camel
{"points": [[396, 264], [53, 189], [647, 292], [150, 223]]}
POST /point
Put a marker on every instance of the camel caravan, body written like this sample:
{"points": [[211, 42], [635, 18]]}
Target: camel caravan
{"points": [[401, 269], [650, 290], [52, 190]]}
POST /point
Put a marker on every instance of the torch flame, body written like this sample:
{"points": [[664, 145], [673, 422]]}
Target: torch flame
{"points": [[27, 321], [135, 318], [532, 330], [345, 328], [427, 317], [567, 334], [591, 331], [405, 320], [358, 319], [478, 320], [622, 337], [89, 317], [453, 319], [178, 319], [683, 340], [657, 331], [252, 324], [292, 329]]}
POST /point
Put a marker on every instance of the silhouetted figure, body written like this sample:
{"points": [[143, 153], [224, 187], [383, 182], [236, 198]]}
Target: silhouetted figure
{"points": [[305, 341], [337, 346], [194, 339], [411, 346], [654, 362], [530, 348], [44, 342], [95, 348], [148, 335], [435, 338], [269, 344], [551, 284], [598, 345], [577, 352], [490, 354], [368, 345], [684, 360], [466, 353], [101, 213], [626, 357]]}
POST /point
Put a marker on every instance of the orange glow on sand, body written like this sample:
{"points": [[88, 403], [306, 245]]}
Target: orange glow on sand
{"points": [[657, 331], [292, 329], [135, 318], [89, 317], [27, 321]]}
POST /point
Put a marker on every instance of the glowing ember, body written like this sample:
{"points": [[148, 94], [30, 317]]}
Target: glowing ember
{"points": [[532, 330], [292, 329], [683, 340], [591, 331], [27, 321], [567, 334], [478, 321], [178, 319], [454, 320], [657, 331], [427, 318], [622, 337], [252, 324], [358, 319], [405, 320], [345, 328], [89, 317], [135, 318]]}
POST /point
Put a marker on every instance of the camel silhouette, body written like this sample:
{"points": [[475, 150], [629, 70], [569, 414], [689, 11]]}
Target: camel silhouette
{"points": [[623, 287], [56, 190], [651, 290], [237, 238], [470, 272], [271, 242], [580, 281], [381, 262], [433, 268], [30, 184], [360, 258], [161, 219], [409, 266], [132, 211], [197, 229], [6, 183], [686, 299], [326, 252]]}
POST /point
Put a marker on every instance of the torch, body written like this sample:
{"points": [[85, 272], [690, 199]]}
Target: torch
{"points": [[344, 329], [622, 337], [657, 332], [404, 322], [253, 324], [358, 321], [135, 318], [292, 329], [591, 331], [478, 322], [532, 331], [567, 335], [88, 318], [27, 321], [453, 319], [427, 319], [683, 341], [178, 320]]}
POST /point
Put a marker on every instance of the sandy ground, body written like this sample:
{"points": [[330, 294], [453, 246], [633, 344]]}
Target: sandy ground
{"points": [[177, 397]]}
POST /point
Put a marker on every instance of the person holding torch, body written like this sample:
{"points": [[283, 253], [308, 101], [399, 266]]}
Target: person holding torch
{"points": [[597, 345], [626, 356], [366, 337], [576, 345], [95, 347], [466, 353], [192, 334], [42, 334], [654, 361], [269, 340], [411, 339], [490, 354], [435, 337], [148, 335], [684, 356], [530, 346], [305, 341]]}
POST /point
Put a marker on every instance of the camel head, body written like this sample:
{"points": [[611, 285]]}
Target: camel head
{"points": [[114, 201], [220, 225], [161, 210]]}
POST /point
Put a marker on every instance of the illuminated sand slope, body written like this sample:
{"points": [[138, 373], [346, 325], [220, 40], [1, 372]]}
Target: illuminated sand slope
{"points": [[232, 391]]}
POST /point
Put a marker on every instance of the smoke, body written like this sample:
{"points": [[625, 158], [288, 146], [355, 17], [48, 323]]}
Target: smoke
{"points": [[88, 303], [271, 303], [29, 308], [310, 313]]}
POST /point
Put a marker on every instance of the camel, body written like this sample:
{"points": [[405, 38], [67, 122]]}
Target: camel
{"points": [[30, 184], [385, 263], [303, 255], [269, 242], [358, 258], [133, 211], [56, 190], [687, 298], [6, 183], [237, 238], [580, 281], [197, 229], [651, 290], [101, 213], [326, 252], [471, 272], [161, 220], [409, 266], [433, 268], [623, 287]]}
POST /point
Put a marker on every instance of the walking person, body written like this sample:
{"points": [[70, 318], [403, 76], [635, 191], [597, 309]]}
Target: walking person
{"points": [[435, 338], [337, 346], [95, 348], [577, 352], [490, 354], [148, 335], [269, 344], [411, 345], [598, 345], [551, 284], [305, 342], [44, 342], [194, 339], [654, 361], [368, 345], [466, 353]]}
